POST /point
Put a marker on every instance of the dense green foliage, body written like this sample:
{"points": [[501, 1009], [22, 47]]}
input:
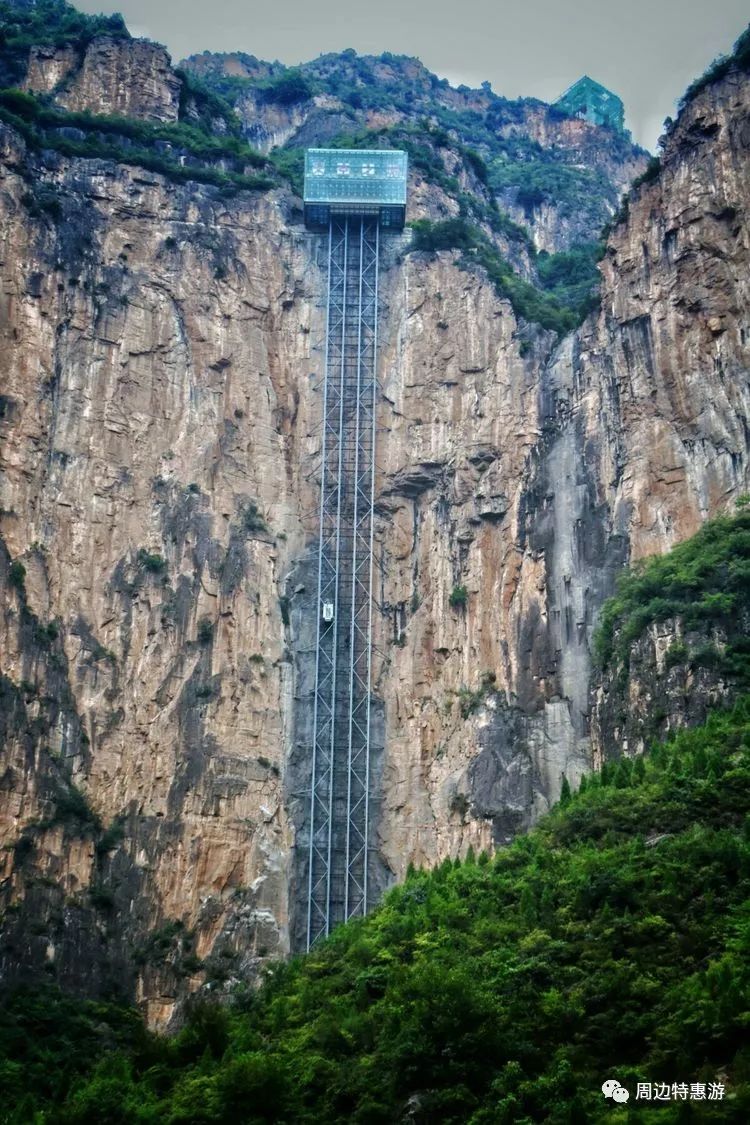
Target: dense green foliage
{"points": [[47, 1040], [459, 597], [536, 177], [653, 169], [704, 581], [211, 108], [613, 940], [572, 276], [288, 88], [290, 163]]}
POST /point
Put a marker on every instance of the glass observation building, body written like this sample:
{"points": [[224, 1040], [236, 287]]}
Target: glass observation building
{"points": [[343, 181]]}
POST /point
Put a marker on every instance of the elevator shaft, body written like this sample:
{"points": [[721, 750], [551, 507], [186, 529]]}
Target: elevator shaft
{"points": [[340, 781]]}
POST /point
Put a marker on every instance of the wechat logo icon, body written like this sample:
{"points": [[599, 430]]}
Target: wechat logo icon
{"points": [[612, 1089]]}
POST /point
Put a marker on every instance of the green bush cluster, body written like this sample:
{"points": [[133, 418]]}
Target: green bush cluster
{"points": [[572, 276], [290, 163], [205, 632], [703, 581], [17, 575], [459, 597], [71, 807], [653, 170], [151, 562], [288, 88], [536, 176], [252, 519], [198, 99]]}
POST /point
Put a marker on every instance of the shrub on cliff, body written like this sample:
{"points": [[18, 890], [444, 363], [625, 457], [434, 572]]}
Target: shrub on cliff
{"points": [[705, 580], [740, 58], [288, 88]]}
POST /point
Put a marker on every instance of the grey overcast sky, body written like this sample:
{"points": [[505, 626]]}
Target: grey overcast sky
{"points": [[648, 51]]}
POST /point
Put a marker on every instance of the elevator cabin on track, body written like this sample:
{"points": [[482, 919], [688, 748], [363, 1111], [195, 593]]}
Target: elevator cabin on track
{"points": [[352, 197]]}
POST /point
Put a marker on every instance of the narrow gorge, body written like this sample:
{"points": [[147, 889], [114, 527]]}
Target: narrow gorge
{"points": [[161, 353]]}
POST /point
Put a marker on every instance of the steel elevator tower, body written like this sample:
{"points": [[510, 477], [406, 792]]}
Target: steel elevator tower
{"points": [[351, 196]]}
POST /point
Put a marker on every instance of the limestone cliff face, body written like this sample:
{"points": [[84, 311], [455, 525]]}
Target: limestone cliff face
{"points": [[674, 679], [541, 475], [155, 366], [124, 77], [159, 440], [661, 395]]}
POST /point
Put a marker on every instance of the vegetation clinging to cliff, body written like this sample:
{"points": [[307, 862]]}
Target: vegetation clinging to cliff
{"points": [[705, 580], [158, 147], [740, 57], [529, 302], [52, 23]]}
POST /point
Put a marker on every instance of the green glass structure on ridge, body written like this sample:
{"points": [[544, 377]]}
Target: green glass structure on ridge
{"points": [[593, 102], [341, 181]]}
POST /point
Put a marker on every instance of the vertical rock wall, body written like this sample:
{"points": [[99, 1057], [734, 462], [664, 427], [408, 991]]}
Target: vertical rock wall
{"points": [[161, 360], [121, 77]]}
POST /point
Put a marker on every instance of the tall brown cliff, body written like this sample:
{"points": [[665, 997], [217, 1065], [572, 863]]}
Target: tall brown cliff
{"points": [[159, 436]]}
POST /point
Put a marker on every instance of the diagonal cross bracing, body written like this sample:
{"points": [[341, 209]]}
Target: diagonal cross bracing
{"points": [[340, 780]]}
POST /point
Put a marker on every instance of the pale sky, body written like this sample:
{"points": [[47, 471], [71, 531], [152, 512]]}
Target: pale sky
{"points": [[647, 51]]}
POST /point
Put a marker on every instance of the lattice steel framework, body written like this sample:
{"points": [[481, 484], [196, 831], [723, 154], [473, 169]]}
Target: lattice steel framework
{"points": [[340, 785]]}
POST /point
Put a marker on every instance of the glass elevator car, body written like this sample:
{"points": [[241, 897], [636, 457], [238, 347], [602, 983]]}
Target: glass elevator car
{"points": [[343, 181]]}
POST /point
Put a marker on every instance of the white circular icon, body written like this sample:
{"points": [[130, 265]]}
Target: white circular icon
{"points": [[612, 1089]]}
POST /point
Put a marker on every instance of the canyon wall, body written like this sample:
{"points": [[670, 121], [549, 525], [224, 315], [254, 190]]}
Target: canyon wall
{"points": [[124, 77], [159, 443]]}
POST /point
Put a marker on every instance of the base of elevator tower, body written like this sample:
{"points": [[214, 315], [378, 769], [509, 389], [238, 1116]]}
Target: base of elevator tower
{"points": [[340, 824]]}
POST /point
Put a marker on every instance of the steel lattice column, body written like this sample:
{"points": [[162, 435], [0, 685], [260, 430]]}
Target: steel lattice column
{"points": [[340, 782]]}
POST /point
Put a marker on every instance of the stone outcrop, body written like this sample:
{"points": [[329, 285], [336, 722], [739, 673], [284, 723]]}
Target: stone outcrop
{"points": [[123, 77], [673, 679], [161, 362]]}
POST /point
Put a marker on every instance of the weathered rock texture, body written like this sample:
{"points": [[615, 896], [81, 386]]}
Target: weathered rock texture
{"points": [[161, 362], [154, 345], [674, 677], [125, 77]]}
